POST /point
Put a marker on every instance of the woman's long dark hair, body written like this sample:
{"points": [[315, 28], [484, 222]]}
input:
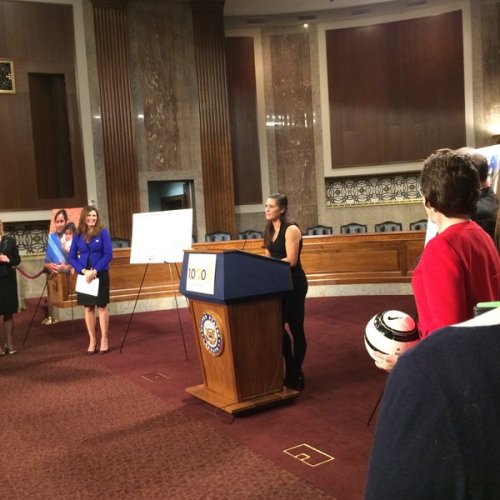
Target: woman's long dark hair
{"points": [[282, 202], [82, 224], [64, 214]]}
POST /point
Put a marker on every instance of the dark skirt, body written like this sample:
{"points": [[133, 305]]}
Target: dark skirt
{"points": [[82, 299], [8, 291]]}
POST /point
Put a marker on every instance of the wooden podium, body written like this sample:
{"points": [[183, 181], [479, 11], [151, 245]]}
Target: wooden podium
{"points": [[235, 305]]}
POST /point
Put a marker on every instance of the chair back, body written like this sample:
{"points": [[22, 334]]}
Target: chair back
{"points": [[319, 229], [388, 226], [218, 236], [120, 243], [250, 234], [353, 228], [419, 225]]}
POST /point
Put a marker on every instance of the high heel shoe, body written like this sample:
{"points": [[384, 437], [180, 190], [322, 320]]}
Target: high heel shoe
{"points": [[301, 382], [90, 352], [291, 381], [103, 351], [9, 350]]}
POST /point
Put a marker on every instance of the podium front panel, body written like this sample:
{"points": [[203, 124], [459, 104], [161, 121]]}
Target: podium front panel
{"points": [[240, 347]]}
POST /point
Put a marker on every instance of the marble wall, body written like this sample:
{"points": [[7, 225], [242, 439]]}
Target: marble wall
{"points": [[292, 133], [165, 98]]}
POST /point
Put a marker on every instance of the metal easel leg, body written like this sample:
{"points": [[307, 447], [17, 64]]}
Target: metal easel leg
{"points": [[36, 310], [177, 306]]}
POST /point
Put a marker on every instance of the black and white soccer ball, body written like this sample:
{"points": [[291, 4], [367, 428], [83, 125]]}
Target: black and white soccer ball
{"points": [[390, 332]]}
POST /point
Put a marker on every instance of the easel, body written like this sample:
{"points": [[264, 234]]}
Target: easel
{"points": [[52, 320], [375, 407], [36, 309], [176, 306]]}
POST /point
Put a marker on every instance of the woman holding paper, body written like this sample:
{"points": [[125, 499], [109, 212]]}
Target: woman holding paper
{"points": [[90, 254]]}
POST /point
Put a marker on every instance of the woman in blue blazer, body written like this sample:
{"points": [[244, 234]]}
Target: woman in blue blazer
{"points": [[90, 254]]}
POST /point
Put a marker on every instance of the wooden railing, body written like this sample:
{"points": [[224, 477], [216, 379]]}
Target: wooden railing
{"points": [[327, 260]]}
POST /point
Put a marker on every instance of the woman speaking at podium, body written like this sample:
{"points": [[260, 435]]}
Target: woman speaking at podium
{"points": [[283, 240]]}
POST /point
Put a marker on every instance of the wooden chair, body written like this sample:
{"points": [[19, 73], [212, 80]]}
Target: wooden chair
{"points": [[353, 228], [319, 229], [388, 226]]}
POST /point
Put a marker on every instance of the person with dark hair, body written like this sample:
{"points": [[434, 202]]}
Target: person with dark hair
{"points": [[437, 432], [9, 303], [56, 259], [460, 266], [487, 204], [67, 236], [90, 254], [283, 240]]}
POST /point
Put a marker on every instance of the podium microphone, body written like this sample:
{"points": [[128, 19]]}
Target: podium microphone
{"points": [[245, 241]]}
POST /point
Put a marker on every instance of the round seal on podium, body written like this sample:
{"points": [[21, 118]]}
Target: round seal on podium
{"points": [[210, 334]]}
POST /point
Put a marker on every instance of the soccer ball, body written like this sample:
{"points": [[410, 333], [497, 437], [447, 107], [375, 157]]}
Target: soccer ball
{"points": [[390, 332]]}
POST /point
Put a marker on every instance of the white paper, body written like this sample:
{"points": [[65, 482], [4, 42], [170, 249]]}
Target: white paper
{"points": [[159, 237], [83, 286]]}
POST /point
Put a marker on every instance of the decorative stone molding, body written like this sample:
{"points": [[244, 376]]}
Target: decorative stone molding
{"points": [[372, 190]]}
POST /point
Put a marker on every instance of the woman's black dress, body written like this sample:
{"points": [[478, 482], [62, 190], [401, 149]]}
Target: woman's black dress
{"points": [[9, 303]]}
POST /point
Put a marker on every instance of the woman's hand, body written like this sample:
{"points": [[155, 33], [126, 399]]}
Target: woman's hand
{"points": [[52, 267], [4, 258], [90, 274], [385, 361]]}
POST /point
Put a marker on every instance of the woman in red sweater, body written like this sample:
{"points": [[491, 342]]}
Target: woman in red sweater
{"points": [[460, 266]]}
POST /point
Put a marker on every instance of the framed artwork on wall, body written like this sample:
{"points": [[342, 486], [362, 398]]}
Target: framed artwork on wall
{"points": [[7, 81]]}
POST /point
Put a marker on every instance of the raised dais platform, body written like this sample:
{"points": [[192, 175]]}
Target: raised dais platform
{"points": [[328, 260]]}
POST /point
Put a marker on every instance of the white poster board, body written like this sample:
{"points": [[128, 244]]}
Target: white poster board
{"points": [[159, 237]]}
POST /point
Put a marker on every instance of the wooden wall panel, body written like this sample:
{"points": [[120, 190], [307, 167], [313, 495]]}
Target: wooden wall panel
{"points": [[208, 28], [396, 90], [242, 91], [490, 40], [122, 183], [39, 38]]}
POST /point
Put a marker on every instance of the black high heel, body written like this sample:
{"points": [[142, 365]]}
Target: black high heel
{"points": [[291, 381], [90, 353], [302, 382]]}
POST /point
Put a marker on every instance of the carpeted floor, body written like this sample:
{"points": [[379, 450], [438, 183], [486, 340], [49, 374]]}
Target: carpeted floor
{"points": [[122, 425]]}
